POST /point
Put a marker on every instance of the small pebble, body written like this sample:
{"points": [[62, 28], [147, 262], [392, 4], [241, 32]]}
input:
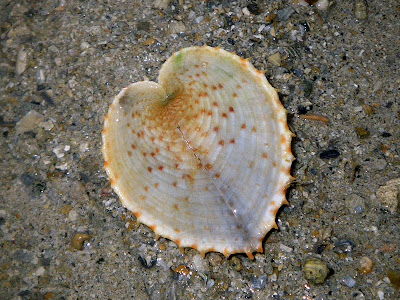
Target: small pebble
{"points": [[29, 122], [389, 195], [381, 295], [162, 4], [360, 9], [182, 270], [322, 4], [366, 265], [327, 154], [72, 215], [394, 278], [259, 283], [355, 203], [236, 263], [210, 283], [78, 240], [349, 281], [344, 246], [275, 59], [362, 132], [315, 270], [285, 248], [199, 264], [22, 61]]}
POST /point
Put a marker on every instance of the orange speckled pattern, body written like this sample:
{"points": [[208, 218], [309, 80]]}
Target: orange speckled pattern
{"points": [[178, 152]]}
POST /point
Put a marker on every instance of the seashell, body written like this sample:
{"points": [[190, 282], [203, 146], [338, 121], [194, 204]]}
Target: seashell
{"points": [[203, 156]]}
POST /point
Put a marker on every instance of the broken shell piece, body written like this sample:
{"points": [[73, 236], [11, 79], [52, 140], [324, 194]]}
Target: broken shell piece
{"points": [[203, 157]]}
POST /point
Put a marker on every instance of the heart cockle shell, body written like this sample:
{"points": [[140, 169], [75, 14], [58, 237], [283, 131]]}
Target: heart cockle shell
{"points": [[203, 156]]}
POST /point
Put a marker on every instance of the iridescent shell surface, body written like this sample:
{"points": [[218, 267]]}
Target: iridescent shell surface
{"points": [[203, 156]]}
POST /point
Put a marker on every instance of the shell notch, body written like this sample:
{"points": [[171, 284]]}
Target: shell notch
{"points": [[203, 156]]}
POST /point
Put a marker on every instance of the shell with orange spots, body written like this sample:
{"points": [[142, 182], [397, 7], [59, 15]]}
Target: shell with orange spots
{"points": [[203, 156]]}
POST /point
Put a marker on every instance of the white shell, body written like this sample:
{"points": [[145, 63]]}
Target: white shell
{"points": [[202, 157]]}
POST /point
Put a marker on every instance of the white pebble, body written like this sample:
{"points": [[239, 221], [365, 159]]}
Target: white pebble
{"points": [[58, 151], [40, 271], [285, 248], [84, 147], [72, 215], [381, 295], [22, 61], [85, 45], [28, 122], [322, 4], [246, 12]]}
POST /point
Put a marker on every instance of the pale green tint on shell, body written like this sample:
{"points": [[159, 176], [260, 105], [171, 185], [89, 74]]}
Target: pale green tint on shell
{"points": [[202, 157]]}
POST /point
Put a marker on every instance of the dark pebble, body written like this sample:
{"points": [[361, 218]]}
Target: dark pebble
{"points": [[298, 73], [45, 261], [145, 264], [344, 246], [100, 260], [319, 248], [228, 21], [305, 26], [302, 110], [40, 87], [24, 293], [307, 88], [27, 179], [47, 98], [386, 134], [253, 8], [327, 154], [389, 104], [84, 177]]}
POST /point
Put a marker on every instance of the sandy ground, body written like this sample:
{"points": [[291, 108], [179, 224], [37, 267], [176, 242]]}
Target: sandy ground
{"points": [[65, 235]]}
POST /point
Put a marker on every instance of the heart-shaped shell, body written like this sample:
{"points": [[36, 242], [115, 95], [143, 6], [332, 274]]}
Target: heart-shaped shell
{"points": [[203, 157]]}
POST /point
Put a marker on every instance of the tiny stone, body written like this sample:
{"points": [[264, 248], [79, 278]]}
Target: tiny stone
{"points": [[285, 248], [84, 147], [322, 4], [366, 265], [22, 61], [162, 4], [40, 271], [349, 281], [78, 239], [389, 195], [58, 151], [253, 8], [327, 154], [199, 264], [285, 13], [72, 215], [246, 11], [381, 295], [260, 282], [355, 203], [344, 246], [394, 278], [28, 122], [362, 132], [275, 59], [236, 264], [210, 283], [315, 270], [360, 9]]}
